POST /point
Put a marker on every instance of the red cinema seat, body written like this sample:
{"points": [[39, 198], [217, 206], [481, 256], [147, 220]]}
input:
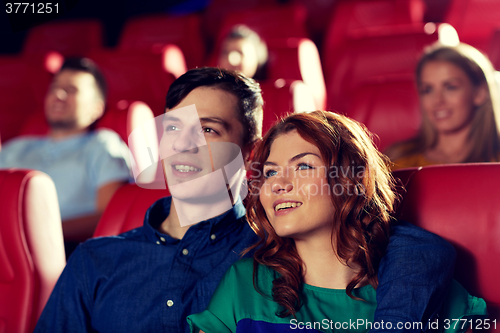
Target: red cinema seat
{"points": [[70, 38], [217, 10], [363, 60], [31, 247], [298, 59], [355, 18], [282, 97], [126, 209], [123, 117], [151, 33], [389, 109], [17, 96], [135, 76], [270, 22], [474, 20], [460, 203]]}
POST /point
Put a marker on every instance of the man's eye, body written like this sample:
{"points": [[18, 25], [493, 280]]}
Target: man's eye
{"points": [[270, 173], [169, 128], [209, 130], [304, 166], [425, 90]]}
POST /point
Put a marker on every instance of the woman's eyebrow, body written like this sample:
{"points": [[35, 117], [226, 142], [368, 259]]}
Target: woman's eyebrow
{"points": [[293, 159]]}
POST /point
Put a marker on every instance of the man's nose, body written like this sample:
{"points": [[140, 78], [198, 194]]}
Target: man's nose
{"points": [[186, 141], [60, 94]]}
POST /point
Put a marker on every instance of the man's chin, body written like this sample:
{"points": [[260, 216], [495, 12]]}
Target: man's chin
{"points": [[61, 124]]}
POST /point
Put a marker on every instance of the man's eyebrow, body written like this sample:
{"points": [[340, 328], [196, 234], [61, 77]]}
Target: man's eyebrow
{"points": [[169, 117], [293, 159], [220, 121]]}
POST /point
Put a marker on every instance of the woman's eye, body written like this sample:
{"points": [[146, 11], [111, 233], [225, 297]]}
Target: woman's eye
{"points": [[425, 90], [452, 88], [304, 166], [270, 173]]}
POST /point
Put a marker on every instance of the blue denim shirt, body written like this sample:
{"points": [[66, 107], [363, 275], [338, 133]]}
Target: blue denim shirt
{"points": [[146, 281], [414, 278], [143, 280]]}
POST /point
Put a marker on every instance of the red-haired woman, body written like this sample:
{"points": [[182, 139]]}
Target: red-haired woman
{"points": [[321, 202]]}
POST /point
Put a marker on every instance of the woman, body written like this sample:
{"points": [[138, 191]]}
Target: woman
{"points": [[460, 110], [321, 202]]}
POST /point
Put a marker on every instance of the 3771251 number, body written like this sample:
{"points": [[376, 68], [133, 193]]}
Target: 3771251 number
{"points": [[31, 8], [476, 324]]}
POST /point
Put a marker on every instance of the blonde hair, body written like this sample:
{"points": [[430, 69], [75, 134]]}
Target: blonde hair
{"points": [[485, 129]]}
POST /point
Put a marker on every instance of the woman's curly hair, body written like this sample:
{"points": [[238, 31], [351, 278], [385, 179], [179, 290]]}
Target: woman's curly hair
{"points": [[361, 222]]}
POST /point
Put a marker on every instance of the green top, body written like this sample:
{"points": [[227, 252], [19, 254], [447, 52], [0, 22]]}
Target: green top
{"points": [[236, 304]]}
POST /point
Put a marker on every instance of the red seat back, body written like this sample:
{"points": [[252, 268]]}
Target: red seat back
{"points": [[282, 97], [460, 203], [70, 38], [389, 109], [363, 60], [352, 19], [31, 247], [474, 20], [126, 209], [135, 76], [151, 33], [122, 118]]}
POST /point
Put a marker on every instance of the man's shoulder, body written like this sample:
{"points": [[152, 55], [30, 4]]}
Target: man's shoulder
{"points": [[104, 137], [122, 240], [409, 236], [18, 143]]}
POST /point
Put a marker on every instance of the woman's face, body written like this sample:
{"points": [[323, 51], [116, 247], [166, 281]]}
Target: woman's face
{"points": [[447, 96], [239, 54], [295, 194]]}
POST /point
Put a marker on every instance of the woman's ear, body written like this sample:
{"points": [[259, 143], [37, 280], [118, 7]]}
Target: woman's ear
{"points": [[482, 93]]}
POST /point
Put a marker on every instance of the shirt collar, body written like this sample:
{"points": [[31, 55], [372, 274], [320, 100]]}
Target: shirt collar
{"points": [[219, 226]]}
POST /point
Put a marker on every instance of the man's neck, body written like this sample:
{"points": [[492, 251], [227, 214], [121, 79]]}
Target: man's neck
{"points": [[61, 134], [172, 226]]}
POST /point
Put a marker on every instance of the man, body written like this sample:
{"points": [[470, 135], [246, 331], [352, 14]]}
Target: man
{"points": [[150, 278], [87, 166]]}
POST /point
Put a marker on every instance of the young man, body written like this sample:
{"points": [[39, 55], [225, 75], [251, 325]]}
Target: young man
{"points": [[87, 166], [150, 278]]}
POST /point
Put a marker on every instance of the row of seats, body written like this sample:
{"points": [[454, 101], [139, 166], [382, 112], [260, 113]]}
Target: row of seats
{"points": [[451, 201]]}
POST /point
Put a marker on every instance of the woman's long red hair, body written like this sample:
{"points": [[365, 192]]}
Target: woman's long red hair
{"points": [[361, 223]]}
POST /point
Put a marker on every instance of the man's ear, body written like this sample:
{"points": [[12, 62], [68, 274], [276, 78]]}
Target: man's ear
{"points": [[481, 95], [248, 151]]}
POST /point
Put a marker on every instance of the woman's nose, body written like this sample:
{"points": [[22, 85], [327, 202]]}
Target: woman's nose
{"points": [[282, 184]]}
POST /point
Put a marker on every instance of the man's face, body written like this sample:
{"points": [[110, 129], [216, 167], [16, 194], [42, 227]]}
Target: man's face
{"points": [[72, 101], [195, 144]]}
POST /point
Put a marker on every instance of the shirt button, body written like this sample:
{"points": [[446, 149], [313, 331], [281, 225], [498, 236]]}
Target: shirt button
{"points": [[158, 242], [212, 236], [162, 239], [170, 303], [185, 252]]}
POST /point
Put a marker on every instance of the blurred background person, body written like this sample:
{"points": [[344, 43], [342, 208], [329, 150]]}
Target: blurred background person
{"points": [[460, 110], [87, 166], [244, 51]]}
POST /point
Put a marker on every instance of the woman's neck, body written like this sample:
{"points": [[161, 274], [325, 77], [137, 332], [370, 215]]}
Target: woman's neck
{"points": [[451, 148], [322, 267]]}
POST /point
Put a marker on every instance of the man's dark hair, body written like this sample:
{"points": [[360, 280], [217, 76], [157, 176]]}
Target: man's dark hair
{"points": [[245, 89], [88, 66]]}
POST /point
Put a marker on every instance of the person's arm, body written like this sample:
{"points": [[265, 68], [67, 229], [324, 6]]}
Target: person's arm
{"points": [[81, 228], [414, 278], [69, 306]]}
